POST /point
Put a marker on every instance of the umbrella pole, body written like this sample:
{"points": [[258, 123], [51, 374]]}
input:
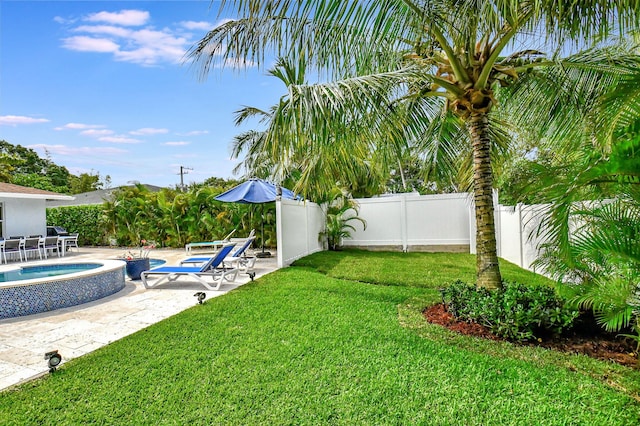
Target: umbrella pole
{"points": [[263, 254]]}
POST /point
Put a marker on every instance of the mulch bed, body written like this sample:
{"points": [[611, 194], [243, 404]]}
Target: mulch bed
{"points": [[587, 339]]}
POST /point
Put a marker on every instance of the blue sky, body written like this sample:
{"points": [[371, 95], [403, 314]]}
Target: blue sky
{"points": [[102, 86]]}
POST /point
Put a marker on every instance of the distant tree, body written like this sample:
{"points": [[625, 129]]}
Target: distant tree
{"points": [[6, 167], [36, 180], [28, 169], [221, 183], [86, 182]]}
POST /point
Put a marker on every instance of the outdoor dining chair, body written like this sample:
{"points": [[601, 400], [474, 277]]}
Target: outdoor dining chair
{"points": [[12, 246], [49, 244], [68, 242], [31, 245]]}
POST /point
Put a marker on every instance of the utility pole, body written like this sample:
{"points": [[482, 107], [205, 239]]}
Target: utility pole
{"points": [[183, 171]]}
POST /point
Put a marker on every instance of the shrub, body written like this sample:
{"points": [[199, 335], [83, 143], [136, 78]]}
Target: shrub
{"points": [[515, 312], [85, 220]]}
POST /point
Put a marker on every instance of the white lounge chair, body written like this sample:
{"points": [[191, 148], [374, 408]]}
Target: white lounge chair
{"points": [[238, 259], [206, 244], [213, 268]]}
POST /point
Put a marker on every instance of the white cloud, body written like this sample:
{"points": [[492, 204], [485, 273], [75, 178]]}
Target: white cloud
{"points": [[75, 151], [80, 126], [95, 133], [197, 25], [196, 133], [64, 21], [90, 44], [124, 17], [145, 46], [112, 32], [149, 131], [14, 120], [104, 29], [176, 143], [118, 139]]}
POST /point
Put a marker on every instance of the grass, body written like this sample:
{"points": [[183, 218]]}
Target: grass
{"points": [[306, 345]]}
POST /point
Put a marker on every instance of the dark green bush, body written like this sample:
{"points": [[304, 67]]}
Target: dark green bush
{"points": [[514, 312], [87, 221]]}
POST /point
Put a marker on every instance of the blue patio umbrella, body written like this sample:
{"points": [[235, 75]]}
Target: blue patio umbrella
{"points": [[256, 191]]}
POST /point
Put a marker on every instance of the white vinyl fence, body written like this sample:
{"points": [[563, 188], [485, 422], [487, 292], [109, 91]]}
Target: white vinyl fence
{"points": [[298, 225], [411, 222], [408, 222], [518, 233]]}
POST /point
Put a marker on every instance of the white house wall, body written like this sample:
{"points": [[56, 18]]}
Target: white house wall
{"points": [[24, 216]]}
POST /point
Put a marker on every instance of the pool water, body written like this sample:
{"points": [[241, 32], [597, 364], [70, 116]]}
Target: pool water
{"points": [[156, 262], [32, 272]]}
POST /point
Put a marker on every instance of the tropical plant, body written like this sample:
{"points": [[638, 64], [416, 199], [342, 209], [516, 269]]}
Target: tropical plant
{"points": [[411, 72], [601, 270], [339, 214], [318, 172], [173, 219], [592, 245], [515, 312]]}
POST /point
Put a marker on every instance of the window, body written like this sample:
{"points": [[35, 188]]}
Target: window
{"points": [[1, 220]]}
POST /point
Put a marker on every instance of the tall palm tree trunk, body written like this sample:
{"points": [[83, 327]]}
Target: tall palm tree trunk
{"points": [[488, 270]]}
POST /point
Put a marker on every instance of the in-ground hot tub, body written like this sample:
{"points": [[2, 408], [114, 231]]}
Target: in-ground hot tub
{"points": [[48, 286]]}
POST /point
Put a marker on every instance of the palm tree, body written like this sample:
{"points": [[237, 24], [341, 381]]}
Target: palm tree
{"points": [[593, 245], [338, 222], [317, 172], [424, 71]]}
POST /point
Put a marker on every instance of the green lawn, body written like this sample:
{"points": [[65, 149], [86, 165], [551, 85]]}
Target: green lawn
{"points": [[317, 343]]}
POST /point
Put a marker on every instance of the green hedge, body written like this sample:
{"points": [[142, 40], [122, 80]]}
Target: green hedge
{"points": [[87, 221]]}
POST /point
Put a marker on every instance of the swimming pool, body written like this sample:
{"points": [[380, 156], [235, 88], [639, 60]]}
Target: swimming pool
{"points": [[81, 283], [153, 263], [42, 271]]}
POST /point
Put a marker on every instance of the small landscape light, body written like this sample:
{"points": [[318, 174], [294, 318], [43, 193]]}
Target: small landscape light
{"points": [[54, 359], [201, 296]]}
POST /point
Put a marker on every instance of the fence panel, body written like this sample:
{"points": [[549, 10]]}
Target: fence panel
{"points": [[414, 222], [510, 233], [385, 224], [298, 225], [519, 233]]}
